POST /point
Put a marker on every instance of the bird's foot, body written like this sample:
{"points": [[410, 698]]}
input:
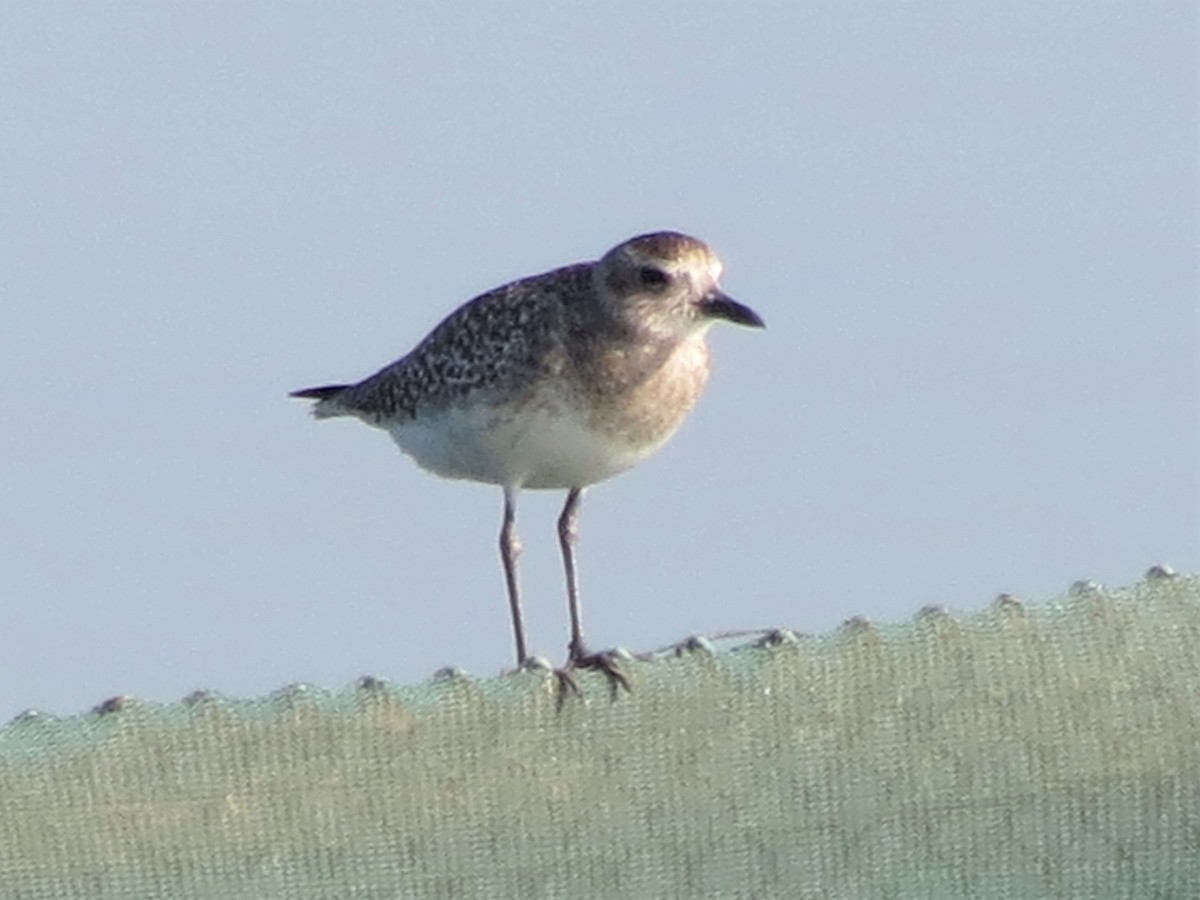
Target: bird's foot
{"points": [[567, 686], [604, 662], [563, 679]]}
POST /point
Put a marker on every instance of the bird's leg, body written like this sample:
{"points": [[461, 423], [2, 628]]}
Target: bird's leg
{"points": [[578, 656], [510, 549], [568, 537]]}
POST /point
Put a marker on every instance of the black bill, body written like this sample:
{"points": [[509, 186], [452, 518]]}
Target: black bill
{"points": [[722, 306]]}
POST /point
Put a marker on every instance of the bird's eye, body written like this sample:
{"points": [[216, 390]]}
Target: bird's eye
{"points": [[652, 278]]}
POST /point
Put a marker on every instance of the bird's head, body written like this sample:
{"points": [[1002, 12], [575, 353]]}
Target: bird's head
{"points": [[667, 284]]}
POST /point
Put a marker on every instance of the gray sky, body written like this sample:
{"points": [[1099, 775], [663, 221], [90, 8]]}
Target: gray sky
{"points": [[971, 230]]}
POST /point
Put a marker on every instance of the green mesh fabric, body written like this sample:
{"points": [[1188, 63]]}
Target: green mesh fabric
{"points": [[1030, 750]]}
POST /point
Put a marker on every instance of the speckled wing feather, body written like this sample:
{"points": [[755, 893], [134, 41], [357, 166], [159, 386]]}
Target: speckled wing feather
{"points": [[504, 341]]}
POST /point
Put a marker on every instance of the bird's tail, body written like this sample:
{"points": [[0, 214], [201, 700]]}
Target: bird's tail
{"points": [[326, 397]]}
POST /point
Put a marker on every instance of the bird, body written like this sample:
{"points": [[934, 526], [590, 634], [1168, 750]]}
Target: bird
{"points": [[556, 381]]}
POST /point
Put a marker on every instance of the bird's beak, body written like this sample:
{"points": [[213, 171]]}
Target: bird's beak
{"points": [[721, 306]]}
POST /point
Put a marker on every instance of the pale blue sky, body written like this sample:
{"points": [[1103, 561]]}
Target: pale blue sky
{"points": [[971, 230]]}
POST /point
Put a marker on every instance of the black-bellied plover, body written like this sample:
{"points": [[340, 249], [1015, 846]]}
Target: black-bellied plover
{"points": [[557, 381]]}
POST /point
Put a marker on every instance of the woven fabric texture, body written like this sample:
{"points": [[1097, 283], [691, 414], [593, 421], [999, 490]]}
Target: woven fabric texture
{"points": [[1026, 751]]}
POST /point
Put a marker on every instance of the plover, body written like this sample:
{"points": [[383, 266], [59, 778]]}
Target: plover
{"points": [[557, 381]]}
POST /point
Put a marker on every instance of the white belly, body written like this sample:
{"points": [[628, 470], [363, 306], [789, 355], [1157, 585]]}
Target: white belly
{"points": [[535, 448]]}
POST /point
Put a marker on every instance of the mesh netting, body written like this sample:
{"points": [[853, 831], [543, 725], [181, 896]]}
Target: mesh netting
{"points": [[1048, 750]]}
